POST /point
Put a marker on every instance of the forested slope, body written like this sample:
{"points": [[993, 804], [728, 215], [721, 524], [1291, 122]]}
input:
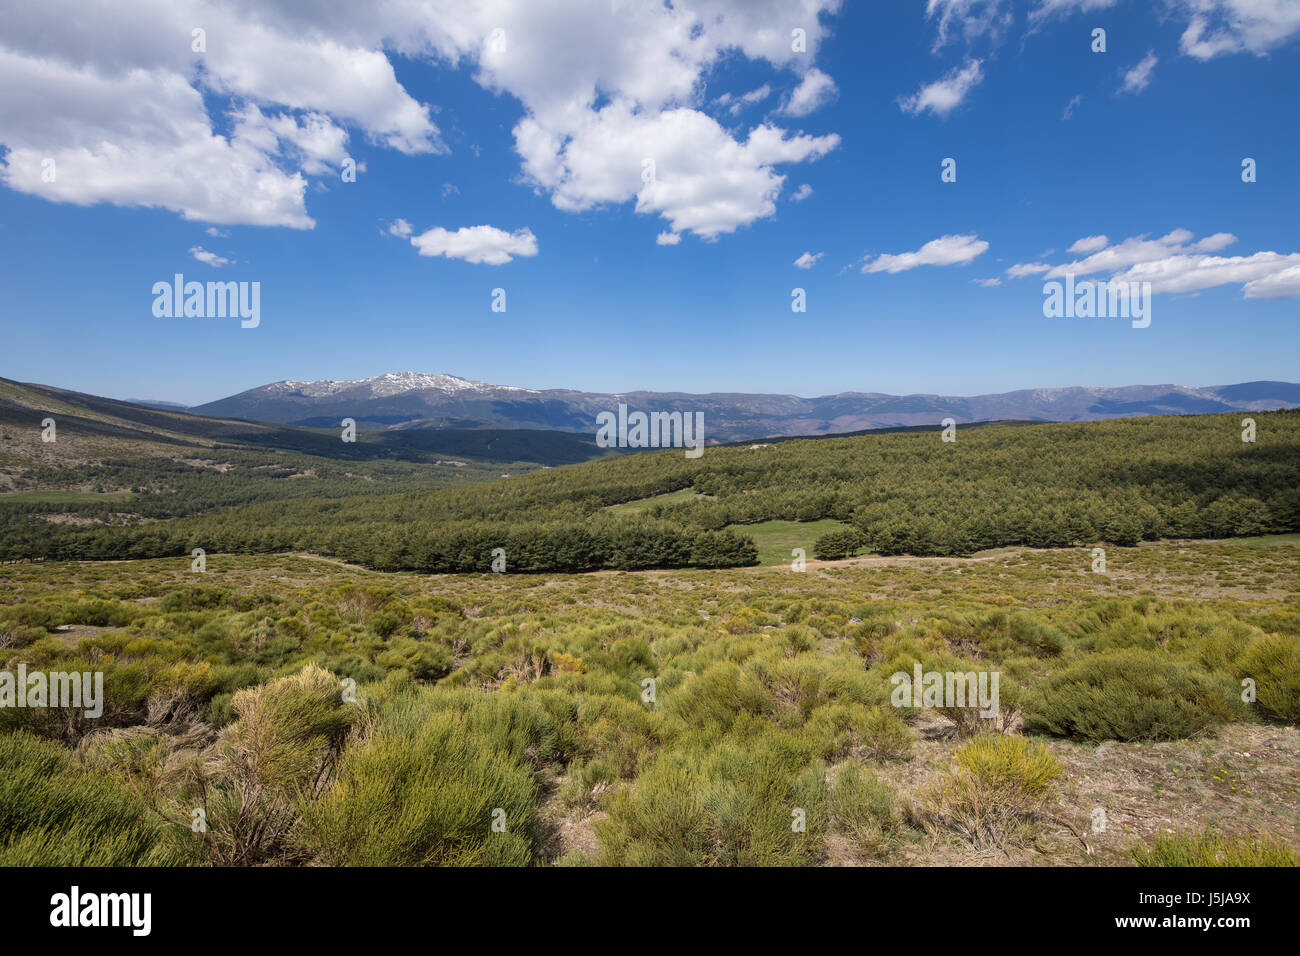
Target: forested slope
{"points": [[1046, 485]]}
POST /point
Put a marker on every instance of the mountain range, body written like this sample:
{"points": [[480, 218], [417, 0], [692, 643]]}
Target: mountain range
{"points": [[408, 400]]}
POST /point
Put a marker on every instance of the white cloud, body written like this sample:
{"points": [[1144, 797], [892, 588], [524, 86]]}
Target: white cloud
{"points": [[1283, 284], [1175, 263], [802, 193], [1022, 269], [1089, 244], [944, 251], [115, 95], [591, 120], [946, 94], [478, 244], [988, 283], [1215, 242], [807, 260], [316, 144], [814, 91], [1047, 9], [400, 228], [210, 258], [1219, 27], [703, 181], [738, 103], [1139, 77], [1069, 107], [668, 238], [216, 233], [973, 19]]}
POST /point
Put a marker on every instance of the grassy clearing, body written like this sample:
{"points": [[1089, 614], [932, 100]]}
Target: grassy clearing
{"points": [[776, 539], [1270, 540], [644, 505]]}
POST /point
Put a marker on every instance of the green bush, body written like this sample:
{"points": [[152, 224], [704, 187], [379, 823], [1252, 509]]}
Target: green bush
{"points": [[885, 735], [732, 805], [430, 796], [862, 808], [1274, 664], [993, 795], [1130, 695], [54, 812], [1211, 847]]}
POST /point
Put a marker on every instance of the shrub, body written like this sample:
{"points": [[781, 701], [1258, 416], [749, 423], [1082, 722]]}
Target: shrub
{"points": [[994, 793], [54, 812], [862, 808], [732, 805], [885, 735], [1274, 664], [1130, 695], [1013, 763], [425, 797], [280, 749], [1211, 847]]}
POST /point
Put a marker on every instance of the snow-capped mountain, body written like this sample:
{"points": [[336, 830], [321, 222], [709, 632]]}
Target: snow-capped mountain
{"points": [[420, 400], [393, 383]]}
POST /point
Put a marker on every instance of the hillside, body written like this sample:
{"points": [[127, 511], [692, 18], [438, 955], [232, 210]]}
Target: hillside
{"points": [[119, 465], [1051, 485], [104, 425]]}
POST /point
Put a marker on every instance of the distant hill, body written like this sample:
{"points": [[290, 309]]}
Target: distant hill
{"points": [[418, 401], [117, 428]]}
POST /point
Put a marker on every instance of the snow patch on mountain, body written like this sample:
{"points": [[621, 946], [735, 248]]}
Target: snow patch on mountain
{"points": [[392, 383]]}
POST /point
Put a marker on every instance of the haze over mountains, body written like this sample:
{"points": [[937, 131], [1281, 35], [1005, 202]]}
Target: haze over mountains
{"points": [[403, 400]]}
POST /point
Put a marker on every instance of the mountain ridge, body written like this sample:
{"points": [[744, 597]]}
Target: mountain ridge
{"points": [[405, 400]]}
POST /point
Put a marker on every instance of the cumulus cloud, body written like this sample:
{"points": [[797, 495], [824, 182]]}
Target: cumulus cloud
{"points": [[807, 260], [133, 116], [988, 283], [668, 239], [400, 228], [802, 193], [1178, 263], [210, 258], [1139, 77], [815, 90], [478, 244], [591, 122], [944, 251], [679, 164], [117, 97], [944, 95]]}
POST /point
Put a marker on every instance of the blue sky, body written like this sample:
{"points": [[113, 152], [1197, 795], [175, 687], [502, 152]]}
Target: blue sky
{"points": [[1132, 156]]}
